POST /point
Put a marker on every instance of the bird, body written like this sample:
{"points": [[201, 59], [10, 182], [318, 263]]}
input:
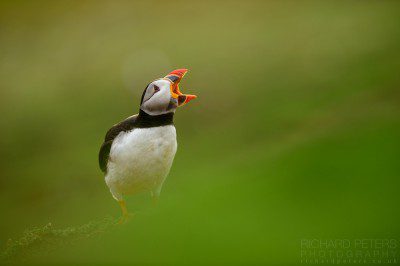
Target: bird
{"points": [[138, 152]]}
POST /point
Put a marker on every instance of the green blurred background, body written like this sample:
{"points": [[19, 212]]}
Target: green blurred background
{"points": [[295, 132]]}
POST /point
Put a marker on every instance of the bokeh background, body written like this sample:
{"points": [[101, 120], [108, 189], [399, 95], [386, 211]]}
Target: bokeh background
{"points": [[295, 132]]}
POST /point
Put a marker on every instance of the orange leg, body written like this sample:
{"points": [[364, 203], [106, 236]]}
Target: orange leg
{"points": [[125, 214]]}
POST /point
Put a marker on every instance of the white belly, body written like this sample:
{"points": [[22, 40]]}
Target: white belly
{"points": [[140, 160]]}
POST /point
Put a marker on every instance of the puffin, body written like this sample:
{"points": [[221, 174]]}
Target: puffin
{"points": [[137, 153]]}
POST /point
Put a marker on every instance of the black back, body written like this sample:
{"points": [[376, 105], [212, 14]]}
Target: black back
{"points": [[141, 120]]}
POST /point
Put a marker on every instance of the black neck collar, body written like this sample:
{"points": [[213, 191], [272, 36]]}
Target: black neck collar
{"points": [[145, 120]]}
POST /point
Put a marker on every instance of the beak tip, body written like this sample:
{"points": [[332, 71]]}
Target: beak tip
{"points": [[179, 72], [190, 97]]}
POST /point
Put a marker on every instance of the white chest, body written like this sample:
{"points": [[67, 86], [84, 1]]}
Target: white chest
{"points": [[141, 159]]}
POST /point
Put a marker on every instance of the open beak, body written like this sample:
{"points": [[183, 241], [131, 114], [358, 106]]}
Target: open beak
{"points": [[175, 77]]}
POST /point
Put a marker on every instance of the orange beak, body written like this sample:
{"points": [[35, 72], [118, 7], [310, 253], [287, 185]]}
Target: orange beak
{"points": [[175, 77]]}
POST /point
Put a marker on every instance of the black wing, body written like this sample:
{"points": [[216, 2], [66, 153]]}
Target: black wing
{"points": [[112, 133]]}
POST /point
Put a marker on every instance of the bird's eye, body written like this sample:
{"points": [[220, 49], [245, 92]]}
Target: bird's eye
{"points": [[156, 89]]}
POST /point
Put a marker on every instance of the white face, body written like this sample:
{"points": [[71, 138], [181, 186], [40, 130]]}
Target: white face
{"points": [[157, 98]]}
